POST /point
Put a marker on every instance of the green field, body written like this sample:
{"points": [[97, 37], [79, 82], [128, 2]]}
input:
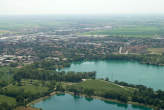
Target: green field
{"points": [[6, 99], [130, 31], [101, 86]]}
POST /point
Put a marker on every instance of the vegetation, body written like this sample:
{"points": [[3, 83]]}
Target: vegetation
{"points": [[42, 74], [6, 73], [103, 89], [152, 59], [20, 83], [25, 91], [26, 108], [34, 81], [146, 95], [50, 64], [8, 100], [121, 91], [6, 106], [144, 58], [41, 78]]}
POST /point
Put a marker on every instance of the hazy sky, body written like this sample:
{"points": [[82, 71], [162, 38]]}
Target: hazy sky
{"points": [[81, 6]]}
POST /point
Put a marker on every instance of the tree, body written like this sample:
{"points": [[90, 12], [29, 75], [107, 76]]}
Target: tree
{"points": [[89, 92], [5, 106], [106, 79], [60, 88]]}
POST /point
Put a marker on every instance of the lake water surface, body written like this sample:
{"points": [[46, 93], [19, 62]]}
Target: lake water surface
{"points": [[130, 72], [69, 102]]}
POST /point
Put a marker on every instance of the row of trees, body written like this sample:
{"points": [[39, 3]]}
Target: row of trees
{"points": [[117, 96], [144, 58], [50, 64], [149, 97], [145, 95], [152, 59], [5, 106], [90, 92], [23, 97], [42, 74], [141, 94]]}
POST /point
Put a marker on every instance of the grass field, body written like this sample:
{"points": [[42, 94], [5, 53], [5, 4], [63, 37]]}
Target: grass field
{"points": [[6, 99], [155, 50], [101, 86], [135, 31]]}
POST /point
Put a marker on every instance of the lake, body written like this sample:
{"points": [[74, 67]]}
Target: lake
{"points": [[128, 71], [69, 102]]}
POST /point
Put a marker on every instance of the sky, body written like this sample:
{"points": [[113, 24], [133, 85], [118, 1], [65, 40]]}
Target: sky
{"points": [[8, 7]]}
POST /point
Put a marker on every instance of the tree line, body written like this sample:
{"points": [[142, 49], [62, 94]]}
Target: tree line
{"points": [[145, 95], [42, 74]]}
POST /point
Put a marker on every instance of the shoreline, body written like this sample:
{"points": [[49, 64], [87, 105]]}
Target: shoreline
{"points": [[41, 99], [83, 95], [112, 100]]}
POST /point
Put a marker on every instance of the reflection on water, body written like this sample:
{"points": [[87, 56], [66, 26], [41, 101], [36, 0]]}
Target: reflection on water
{"points": [[69, 102], [88, 99], [138, 107], [60, 94], [117, 104]]}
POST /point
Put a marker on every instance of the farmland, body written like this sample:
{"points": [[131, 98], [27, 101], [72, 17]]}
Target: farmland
{"points": [[130, 31], [156, 50]]}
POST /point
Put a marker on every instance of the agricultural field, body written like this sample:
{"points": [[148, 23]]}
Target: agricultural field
{"points": [[156, 50], [131, 31]]}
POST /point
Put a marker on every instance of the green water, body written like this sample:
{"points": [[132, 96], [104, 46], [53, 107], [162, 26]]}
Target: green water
{"points": [[68, 102], [130, 72]]}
